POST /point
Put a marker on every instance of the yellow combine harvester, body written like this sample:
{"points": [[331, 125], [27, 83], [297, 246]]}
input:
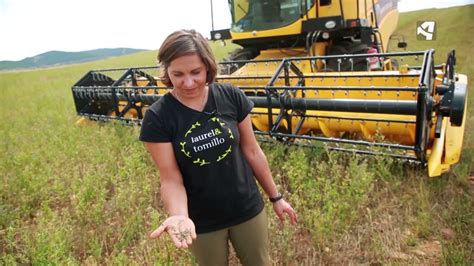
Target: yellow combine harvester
{"points": [[317, 71]]}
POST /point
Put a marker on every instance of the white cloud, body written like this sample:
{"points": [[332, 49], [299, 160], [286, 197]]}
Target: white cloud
{"points": [[30, 27]]}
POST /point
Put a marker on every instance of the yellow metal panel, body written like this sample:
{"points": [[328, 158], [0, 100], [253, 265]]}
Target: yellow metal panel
{"points": [[387, 26], [435, 167]]}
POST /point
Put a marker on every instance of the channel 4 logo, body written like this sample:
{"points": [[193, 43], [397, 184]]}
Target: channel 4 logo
{"points": [[426, 30]]}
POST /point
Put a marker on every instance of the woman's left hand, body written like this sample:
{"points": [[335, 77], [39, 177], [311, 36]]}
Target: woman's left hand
{"points": [[281, 207]]}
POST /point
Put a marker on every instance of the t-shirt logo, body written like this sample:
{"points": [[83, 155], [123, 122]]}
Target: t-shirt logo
{"points": [[207, 141]]}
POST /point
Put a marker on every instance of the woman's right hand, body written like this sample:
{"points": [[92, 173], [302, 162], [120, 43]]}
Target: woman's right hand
{"points": [[180, 228]]}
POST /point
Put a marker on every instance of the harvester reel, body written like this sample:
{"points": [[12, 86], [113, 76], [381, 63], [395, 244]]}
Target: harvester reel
{"points": [[390, 111]]}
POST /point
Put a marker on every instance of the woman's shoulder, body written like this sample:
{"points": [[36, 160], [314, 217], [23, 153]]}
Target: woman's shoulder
{"points": [[223, 86], [225, 89], [162, 104]]}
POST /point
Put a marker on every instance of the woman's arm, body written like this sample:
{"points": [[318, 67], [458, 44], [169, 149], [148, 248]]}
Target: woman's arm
{"points": [[259, 164], [173, 195]]}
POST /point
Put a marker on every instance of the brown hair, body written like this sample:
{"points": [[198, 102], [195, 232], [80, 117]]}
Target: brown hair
{"points": [[185, 42]]}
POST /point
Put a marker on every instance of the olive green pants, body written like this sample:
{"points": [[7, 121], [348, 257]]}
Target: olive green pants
{"points": [[249, 239]]}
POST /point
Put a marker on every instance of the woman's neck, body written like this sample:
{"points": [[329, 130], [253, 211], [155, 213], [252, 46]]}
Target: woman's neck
{"points": [[197, 103]]}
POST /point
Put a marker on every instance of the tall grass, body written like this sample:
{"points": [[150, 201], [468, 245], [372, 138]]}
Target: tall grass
{"points": [[89, 194]]}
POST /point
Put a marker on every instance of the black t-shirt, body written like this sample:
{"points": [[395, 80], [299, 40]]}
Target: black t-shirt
{"points": [[219, 182]]}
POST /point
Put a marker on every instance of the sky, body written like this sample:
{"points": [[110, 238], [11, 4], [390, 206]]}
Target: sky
{"points": [[31, 27]]}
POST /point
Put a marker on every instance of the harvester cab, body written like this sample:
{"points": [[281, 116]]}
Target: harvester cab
{"points": [[309, 28], [317, 71]]}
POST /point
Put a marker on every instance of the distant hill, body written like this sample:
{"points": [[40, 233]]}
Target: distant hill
{"points": [[54, 58], [454, 25]]}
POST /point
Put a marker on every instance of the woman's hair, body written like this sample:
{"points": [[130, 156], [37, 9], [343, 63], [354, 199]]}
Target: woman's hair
{"points": [[186, 42]]}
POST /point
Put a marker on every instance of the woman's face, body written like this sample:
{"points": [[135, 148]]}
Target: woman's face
{"points": [[188, 75]]}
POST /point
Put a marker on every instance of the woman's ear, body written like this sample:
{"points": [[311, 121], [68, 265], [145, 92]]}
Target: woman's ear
{"points": [[208, 77]]}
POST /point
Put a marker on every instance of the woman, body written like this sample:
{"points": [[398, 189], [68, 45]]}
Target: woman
{"points": [[200, 136]]}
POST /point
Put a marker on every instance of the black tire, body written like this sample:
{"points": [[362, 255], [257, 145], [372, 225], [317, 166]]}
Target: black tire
{"points": [[348, 47], [236, 55]]}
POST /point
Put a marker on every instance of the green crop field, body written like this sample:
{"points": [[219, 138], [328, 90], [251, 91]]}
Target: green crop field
{"points": [[90, 194]]}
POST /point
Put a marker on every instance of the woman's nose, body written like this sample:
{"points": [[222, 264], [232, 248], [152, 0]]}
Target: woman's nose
{"points": [[188, 81]]}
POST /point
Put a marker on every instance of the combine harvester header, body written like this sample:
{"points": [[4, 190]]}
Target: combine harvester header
{"points": [[340, 86]]}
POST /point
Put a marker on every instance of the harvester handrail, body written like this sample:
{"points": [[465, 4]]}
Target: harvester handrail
{"points": [[123, 87], [392, 54], [275, 60], [336, 88], [355, 56], [323, 88], [324, 75]]}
